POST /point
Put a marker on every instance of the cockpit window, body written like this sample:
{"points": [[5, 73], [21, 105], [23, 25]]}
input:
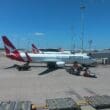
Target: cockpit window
{"points": [[90, 55]]}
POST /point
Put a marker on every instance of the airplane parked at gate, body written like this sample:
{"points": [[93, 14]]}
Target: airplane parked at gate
{"points": [[52, 60], [36, 51]]}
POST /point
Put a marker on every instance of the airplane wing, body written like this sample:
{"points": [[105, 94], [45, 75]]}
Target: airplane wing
{"points": [[53, 63]]}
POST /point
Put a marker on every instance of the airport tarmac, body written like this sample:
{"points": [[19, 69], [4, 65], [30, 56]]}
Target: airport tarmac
{"points": [[37, 86]]}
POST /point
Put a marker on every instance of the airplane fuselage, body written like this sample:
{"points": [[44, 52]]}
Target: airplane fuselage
{"points": [[67, 58]]}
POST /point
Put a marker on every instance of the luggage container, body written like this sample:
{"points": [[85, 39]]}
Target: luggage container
{"points": [[62, 104], [99, 102], [87, 107], [12, 105], [23, 105], [9, 105]]}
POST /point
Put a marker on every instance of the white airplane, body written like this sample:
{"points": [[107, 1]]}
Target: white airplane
{"points": [[52, 60], [36, 51]]}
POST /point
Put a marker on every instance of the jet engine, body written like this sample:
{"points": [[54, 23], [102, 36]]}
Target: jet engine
{"points": [[60, 64]]}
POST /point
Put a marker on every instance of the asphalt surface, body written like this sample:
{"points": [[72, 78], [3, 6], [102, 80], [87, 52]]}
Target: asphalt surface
{"points": [[39, 84]]}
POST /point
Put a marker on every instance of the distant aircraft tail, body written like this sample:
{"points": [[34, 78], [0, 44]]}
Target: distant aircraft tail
{"points": [[9, 47], [35, 49]]}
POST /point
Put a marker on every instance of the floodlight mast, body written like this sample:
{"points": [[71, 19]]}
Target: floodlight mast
{"points": [[72, 39], [82, 8], [90, 45]]}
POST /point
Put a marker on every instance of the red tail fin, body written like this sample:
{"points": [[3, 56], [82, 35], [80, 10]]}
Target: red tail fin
{"points": [[35, 49], [9, 47]]}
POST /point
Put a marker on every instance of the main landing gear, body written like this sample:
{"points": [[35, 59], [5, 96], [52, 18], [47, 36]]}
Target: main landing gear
{"points": [[52, 65], [23, 67]]}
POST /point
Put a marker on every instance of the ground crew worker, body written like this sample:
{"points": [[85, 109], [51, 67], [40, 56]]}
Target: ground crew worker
{"points": [[76, 68], [86, 72]]}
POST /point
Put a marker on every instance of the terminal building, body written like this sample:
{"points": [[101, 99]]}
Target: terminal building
{"points": [[102, 56]]}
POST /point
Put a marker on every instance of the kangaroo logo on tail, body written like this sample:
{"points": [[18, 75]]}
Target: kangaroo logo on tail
{"points": [[9, 47], [11, 51]]}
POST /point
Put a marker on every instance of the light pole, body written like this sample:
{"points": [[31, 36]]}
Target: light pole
{"points": [[90, 44], [82, 8], [73, 35]]}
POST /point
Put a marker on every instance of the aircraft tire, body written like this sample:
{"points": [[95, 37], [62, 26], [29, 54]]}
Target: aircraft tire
{"points": [[51, 65]]}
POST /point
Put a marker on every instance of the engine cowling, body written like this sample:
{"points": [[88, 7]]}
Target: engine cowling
{"points": [[60, 64]]}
